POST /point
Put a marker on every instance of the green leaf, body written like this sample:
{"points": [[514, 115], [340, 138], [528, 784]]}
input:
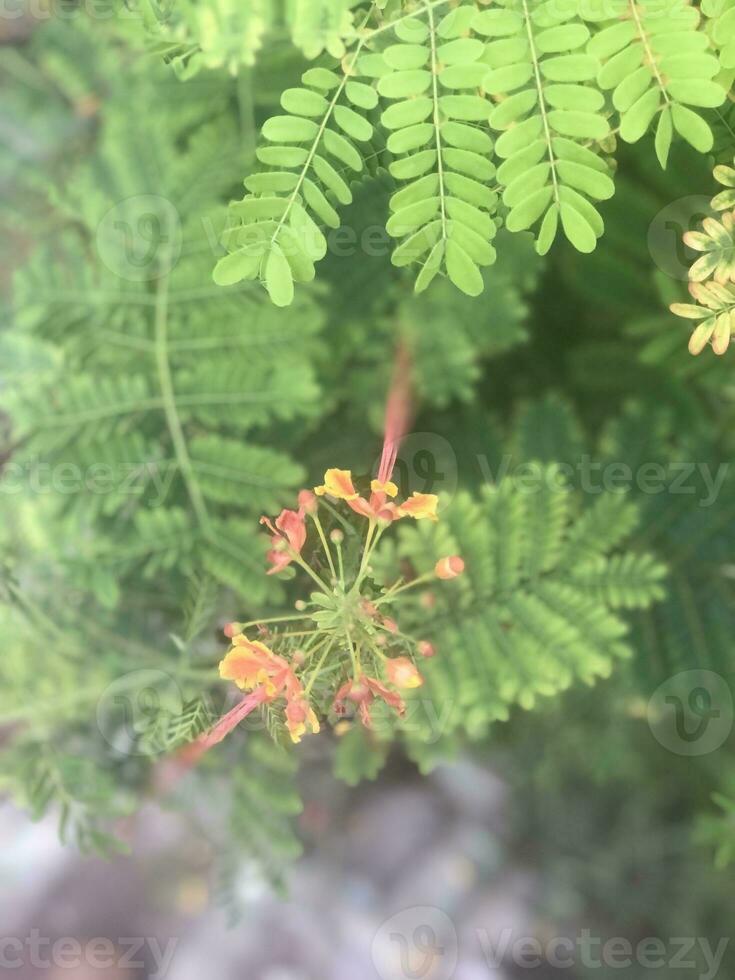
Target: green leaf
{"points": [[353, 124], [664, 136], [303, 102], [278, 278], [577, 229], [463, 272], [233, 268], [289, 129], [693, 128], [404, 84]]}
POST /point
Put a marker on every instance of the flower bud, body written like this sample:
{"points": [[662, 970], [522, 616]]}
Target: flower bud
{"points": [[308, 501], [427, 649], [232, 629], [298, 658], [447, 568], [299, 605], [390, 624], [336, 536], [402, 673]]}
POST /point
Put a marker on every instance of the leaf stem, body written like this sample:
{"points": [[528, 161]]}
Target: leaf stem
{"points": [[542, 101], [325, 544], [169, 405], [320, 664], [650, 56], [273, 619], [302, 564], [437, 122], [397, 590], [340, 562]]}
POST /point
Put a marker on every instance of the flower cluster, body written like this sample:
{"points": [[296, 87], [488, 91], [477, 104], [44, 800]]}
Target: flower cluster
{"points": [[251, 665], [338, 484], [343, 650]]}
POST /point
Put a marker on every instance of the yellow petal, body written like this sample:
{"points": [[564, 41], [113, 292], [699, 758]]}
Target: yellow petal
{"points": [[388, 488], [419, 506], [337, 483], [296, 732]]}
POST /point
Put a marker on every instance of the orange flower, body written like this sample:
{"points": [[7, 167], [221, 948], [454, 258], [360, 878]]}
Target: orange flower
{"points": [[250, 663], [419, 506], [363, 692], [337, 483], [289, 537], [254, 667], [402, 673], [450, 567]]}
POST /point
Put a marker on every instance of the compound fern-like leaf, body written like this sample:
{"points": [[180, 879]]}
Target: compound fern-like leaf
{"points": [[657, 64], [550, 116], [537, 608], [721, 14], [442, 212], [320, 25], [216, 34], [275, 234], [213, 34]]}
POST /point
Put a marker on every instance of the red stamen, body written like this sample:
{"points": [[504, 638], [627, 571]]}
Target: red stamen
{"points": [[232, 719], [397, 413]]}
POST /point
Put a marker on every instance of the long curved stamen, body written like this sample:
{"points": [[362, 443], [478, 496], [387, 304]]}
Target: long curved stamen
{"points": [[397, 413], [233, 718]]}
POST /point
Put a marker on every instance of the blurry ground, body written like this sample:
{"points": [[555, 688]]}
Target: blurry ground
{"points": [[375, 896]]}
